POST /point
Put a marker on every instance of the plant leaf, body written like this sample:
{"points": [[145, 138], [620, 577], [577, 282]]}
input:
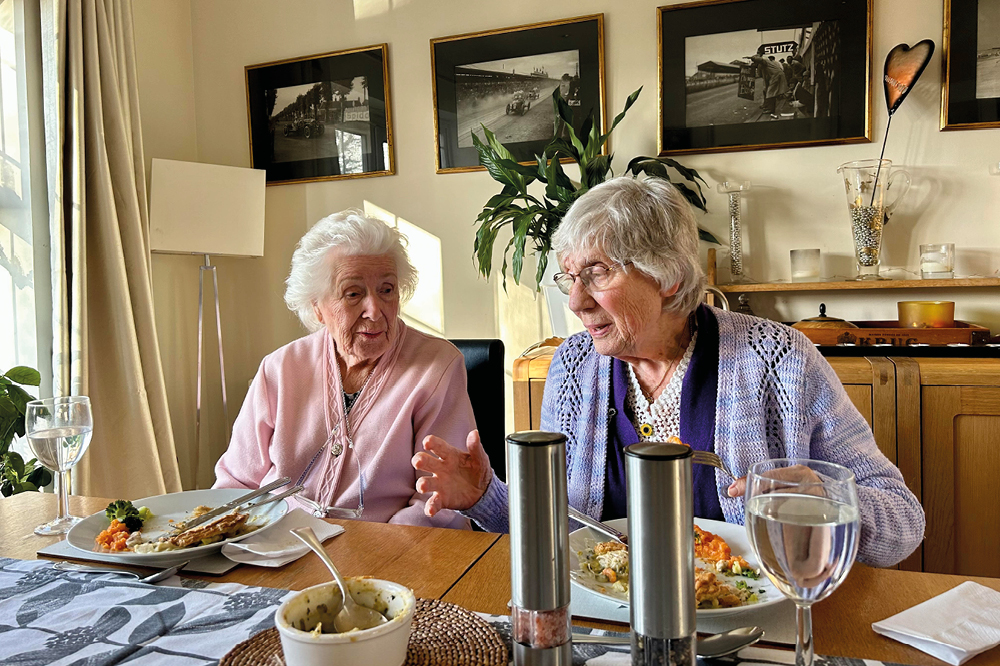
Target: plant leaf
{"points": [[24, 375], [20, 398], [40, 476], [690, 195], [521, 225], [628, 104]]}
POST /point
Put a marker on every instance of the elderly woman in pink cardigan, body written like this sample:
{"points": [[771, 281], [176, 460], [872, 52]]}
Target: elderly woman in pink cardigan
{"points": [[343, 410]]}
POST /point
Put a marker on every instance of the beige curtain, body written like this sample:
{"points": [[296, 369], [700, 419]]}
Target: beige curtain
{"points": [[105, 342]]}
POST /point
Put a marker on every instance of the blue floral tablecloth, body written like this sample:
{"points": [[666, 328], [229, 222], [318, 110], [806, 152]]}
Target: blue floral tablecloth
{"points": [[78, 619]]}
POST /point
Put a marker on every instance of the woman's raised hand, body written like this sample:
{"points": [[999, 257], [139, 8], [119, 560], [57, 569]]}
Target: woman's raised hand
{"points": [[457, 480]]}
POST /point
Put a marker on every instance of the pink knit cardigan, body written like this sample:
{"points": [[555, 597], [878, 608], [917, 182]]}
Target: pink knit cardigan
{"points": [[418, 388]]}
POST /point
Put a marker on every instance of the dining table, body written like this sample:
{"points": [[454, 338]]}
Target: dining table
{"points": [[472, 569]]}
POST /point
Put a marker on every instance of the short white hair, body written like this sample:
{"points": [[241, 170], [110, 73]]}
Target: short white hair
{"points": [[344, 234], [647, 223]]}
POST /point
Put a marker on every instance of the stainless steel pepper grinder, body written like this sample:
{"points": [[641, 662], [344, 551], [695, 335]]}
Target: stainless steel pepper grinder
{"points": [[539, 549], [661, 553]]}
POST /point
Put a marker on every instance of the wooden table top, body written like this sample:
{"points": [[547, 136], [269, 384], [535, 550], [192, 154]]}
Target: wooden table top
{"points": [[472, 569], [841, 623], [418, 557]]}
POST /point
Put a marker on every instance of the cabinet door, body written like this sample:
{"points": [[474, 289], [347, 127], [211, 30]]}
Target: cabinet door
{"points": [[961, 456], [870, 384]]}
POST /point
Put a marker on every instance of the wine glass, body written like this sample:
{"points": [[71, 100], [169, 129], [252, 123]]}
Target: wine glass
{"points": [[59, 431], [802, 520]]}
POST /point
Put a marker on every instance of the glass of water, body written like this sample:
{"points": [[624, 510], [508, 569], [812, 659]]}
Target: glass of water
{"points": [[803, 521], [59, 431]]}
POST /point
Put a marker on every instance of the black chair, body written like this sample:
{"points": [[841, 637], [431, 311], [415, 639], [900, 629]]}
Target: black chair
{"points": [[484, 367]]}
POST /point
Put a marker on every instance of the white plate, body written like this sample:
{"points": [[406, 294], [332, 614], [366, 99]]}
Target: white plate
{"points": [[735, 536], [176, 507]]}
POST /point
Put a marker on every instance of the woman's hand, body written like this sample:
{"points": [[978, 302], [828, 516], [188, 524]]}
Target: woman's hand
{"points": [[457, 479], [793, 474]]}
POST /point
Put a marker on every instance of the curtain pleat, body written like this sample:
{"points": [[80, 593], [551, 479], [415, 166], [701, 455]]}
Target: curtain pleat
{"points": [[103, 223]]}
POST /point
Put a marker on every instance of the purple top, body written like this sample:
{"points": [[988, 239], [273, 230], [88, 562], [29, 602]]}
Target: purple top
{"points": [[698, 396]]}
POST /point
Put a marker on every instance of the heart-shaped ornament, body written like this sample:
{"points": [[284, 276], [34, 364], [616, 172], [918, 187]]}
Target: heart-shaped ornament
{"points": [[903, 66]]}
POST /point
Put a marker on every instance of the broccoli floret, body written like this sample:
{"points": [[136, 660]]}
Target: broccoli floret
{"points": [[145, 514], [133, 523], [124, 512]]}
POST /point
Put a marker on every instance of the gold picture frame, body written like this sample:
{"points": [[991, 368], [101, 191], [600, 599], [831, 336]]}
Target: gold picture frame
{"points": [[326, 116], [970, 92], [471, 85], [711, 54]]}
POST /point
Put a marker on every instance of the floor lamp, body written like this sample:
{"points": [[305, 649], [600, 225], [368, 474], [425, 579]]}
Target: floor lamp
{"points": [[207, 209]]}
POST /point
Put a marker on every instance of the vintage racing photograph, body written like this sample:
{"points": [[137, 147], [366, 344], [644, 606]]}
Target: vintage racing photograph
{"points": [[753, 76], [513, 97]]}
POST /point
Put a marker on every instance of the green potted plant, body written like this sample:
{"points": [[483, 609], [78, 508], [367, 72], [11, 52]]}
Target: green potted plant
{"points": [[535, 219], [17, 476]]}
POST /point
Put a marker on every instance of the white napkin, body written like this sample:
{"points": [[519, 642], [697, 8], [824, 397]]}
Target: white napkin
{"points": [[954, 626], [277, 546]]}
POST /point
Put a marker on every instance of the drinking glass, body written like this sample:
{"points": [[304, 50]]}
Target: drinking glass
{"points": [[802, 520], [59, 431]]}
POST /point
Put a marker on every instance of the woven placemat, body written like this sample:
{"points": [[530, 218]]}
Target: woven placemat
{"points": [[442, 634]]}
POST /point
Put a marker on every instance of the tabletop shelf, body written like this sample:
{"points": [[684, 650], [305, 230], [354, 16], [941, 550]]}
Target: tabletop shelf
{"points": [[843, 285]]}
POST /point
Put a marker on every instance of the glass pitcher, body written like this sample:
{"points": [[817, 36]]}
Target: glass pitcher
{"points": [[867, 183]]}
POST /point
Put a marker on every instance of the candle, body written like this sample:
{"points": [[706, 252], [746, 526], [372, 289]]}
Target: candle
{"points": [[937, 260]]}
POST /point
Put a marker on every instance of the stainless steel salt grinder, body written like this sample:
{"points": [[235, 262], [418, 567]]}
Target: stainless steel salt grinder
{"points": [[539, 549], [661, 553]]}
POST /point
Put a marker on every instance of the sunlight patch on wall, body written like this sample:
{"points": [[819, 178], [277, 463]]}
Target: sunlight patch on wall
{"points": [[425, 311], [372, 8]]}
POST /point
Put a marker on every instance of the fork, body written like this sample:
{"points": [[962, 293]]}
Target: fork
{"points": [[709, 458]]}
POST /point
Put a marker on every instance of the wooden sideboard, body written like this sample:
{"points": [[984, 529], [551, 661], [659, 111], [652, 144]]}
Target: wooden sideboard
{"points": [[937, 419]]}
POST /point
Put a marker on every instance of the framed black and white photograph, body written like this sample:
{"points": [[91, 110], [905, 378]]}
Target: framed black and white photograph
{"points": [[504, 80], [756, 74], [321, 117], [970, 97]]}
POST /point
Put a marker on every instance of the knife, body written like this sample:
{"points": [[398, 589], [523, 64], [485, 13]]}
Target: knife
{"points": [[225, 508], [581, 517]]}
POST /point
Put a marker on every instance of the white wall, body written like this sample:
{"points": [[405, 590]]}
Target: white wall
{"points": [[797, 200]]}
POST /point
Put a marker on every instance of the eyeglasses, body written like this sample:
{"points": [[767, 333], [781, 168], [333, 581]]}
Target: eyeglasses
{"points": [[594, 278], [321, 511]]}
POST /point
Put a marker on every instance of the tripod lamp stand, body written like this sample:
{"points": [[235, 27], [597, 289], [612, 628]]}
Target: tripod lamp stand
{"points": [[207, 209]]}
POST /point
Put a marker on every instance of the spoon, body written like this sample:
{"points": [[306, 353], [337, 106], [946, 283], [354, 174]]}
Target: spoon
{"points": [[710, 647], [352, 615]]}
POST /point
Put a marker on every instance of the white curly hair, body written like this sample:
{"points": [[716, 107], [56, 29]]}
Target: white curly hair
{"points": [[347, 233]]}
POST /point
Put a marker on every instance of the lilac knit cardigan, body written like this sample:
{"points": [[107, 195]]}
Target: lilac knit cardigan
{"points": [[777, 397]]}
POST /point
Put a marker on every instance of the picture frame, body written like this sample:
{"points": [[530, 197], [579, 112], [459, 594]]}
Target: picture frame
{"points": [[713, 58], [970, 94], [321, 117], [476, 81]]}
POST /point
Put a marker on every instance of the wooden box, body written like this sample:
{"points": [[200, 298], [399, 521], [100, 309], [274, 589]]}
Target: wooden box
{"points": [[872, 333]]}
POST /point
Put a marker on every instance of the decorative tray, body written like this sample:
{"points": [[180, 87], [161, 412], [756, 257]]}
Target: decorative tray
{"points": [[871, 333]]}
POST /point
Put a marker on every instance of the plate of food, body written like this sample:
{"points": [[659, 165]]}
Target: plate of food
{"points": [[143, 531], [728, 579]]}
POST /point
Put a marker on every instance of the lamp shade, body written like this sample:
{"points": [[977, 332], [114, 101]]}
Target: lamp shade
{"points": [[206, 209]]}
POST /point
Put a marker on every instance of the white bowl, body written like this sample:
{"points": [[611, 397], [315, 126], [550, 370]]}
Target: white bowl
{"points": [[384, 645]]}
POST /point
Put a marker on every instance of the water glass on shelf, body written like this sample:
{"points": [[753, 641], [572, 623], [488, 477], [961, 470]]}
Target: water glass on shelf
{"points": [[802, 520], [59, 431]]}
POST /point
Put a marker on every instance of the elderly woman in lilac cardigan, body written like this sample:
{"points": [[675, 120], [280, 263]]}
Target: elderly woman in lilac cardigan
{"points": [[342, 410], [653, 364]]}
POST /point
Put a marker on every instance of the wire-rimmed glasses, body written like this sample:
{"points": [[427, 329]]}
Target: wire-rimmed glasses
{"points": [[802, 520], [594, 278], [58, 432], [321, 511]]}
